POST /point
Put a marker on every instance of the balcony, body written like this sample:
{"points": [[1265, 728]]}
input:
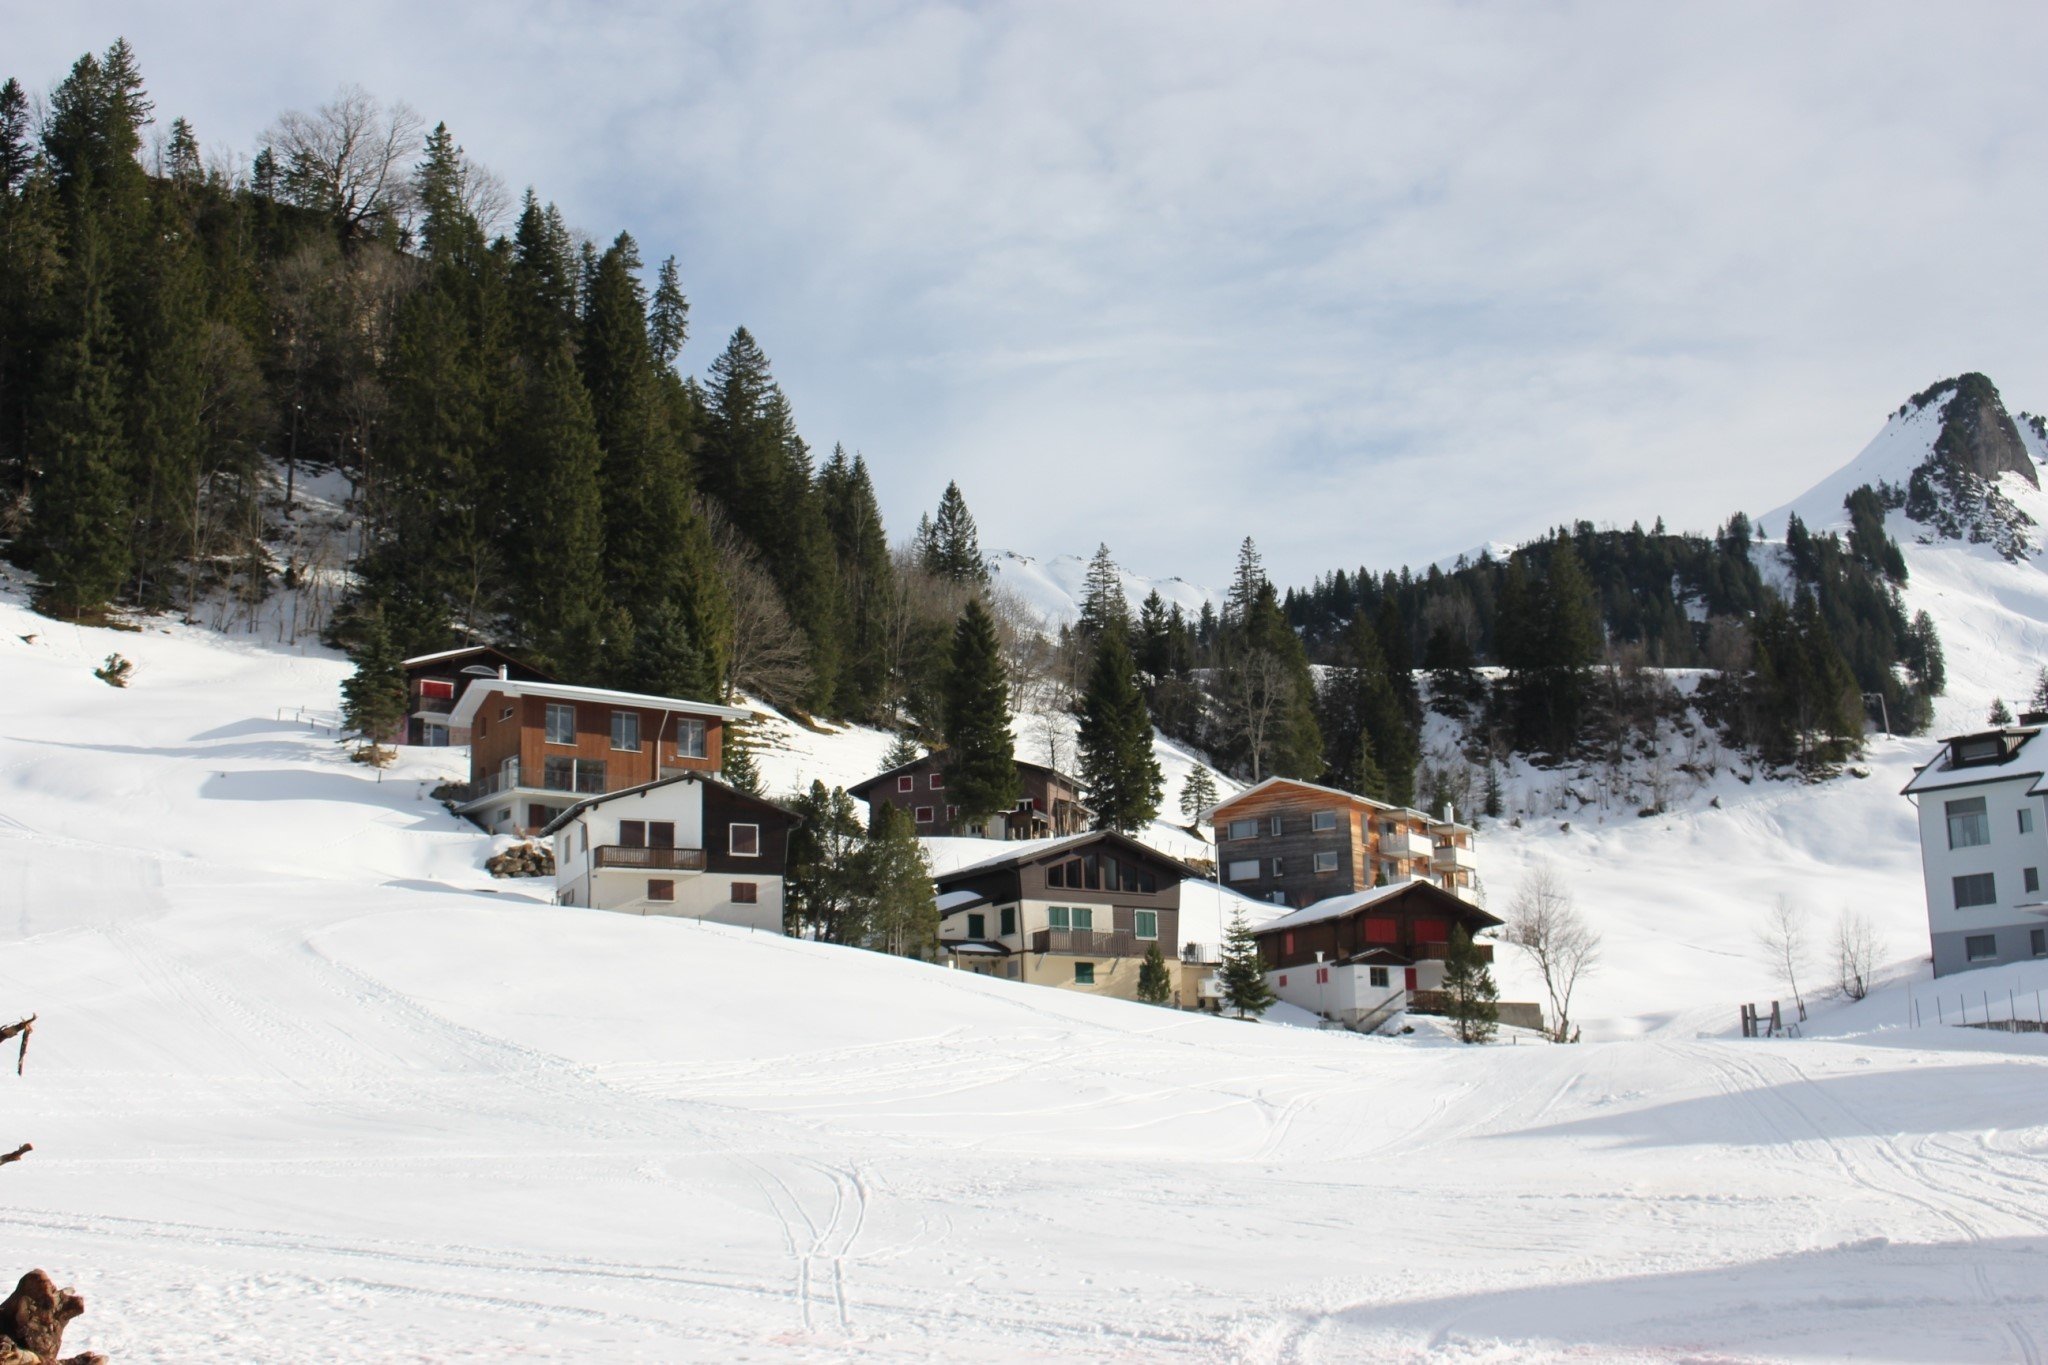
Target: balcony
{"points": [[432, 706], [1085, 942], [1450, 857], [650, 859], [580, 781], [1406, 843]]}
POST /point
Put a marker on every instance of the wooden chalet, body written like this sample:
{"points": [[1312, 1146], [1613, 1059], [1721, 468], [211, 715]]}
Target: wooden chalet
{"points": [[435, 682], [1296, 843], [1048, 807]]}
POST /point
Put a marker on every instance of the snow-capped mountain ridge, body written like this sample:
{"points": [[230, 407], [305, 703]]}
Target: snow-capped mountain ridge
{"points": [[1054, 587]]}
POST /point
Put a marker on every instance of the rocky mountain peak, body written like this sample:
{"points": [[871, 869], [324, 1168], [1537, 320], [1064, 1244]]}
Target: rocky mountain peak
{"points": [[1954, 491]]}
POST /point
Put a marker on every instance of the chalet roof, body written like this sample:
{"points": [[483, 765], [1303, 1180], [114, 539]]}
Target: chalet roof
{"points": [[1030, 850], [591, 802], [953, 902], [1352, 798], [473, 698], [921, 760], [2019, 757], [446, 655], [1352, 902]]}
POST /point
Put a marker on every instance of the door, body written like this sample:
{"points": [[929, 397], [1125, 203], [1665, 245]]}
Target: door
{"points": [[1410, 974]]}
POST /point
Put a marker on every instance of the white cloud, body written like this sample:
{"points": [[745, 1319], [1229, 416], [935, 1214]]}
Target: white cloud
{"points": [[1369, 284]]}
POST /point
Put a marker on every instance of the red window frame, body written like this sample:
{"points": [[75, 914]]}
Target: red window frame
{"points": [[443, 688]]}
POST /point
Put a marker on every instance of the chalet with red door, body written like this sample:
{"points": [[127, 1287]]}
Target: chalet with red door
{"points": [[1049, 807], [1363, 957], [537, 748], [435, 682]]}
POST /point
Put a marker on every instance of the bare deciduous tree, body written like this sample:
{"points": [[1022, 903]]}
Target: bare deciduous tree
{"points": [[1544, 923], [770, 656], [1856, 952], [348, 158], [1786, 946]]}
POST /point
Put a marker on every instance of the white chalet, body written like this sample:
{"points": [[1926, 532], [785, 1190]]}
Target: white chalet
{"points": [[1982, 802]]}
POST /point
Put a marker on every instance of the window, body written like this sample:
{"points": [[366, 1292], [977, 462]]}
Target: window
{"points": [[1244, 829], [1273, 827], [1323, 821], [1976, 750], [690, 739], [2032, 877], [505, 714], [1283, 978], [442, 689], [1084, 973], [583, 837], [952, 814], [1287, 945], [924, 815], [2037, 942], [937, 781], [1007, 919], [746, 841], [746, 893], [1279, 867], [561, 724], [1084, 918], [2026, 819], [1976, 889], [661, 890], [1326, 862], [1968, 825], [626, 731], [1056, 917], [572, 774], [1245, 870], [977, 926], [1980, 947], [1377, 977], [907, 782], [1322, 976], [1146, 923], [661, 834], [632, 834]]}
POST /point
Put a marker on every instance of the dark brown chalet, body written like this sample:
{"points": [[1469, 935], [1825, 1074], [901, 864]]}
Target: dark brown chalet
{"points": [[1408, 924], [536, 748], [434, 683], [1049, 807]]}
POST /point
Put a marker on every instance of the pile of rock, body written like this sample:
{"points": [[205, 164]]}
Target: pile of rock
{"points": [[522, 860]]}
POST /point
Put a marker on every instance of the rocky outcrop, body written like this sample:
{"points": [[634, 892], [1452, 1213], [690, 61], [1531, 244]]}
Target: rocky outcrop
{"points": [[522, 860], [1954, 492]]}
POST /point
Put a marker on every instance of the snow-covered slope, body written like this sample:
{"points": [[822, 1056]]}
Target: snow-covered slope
{"points": [[1054, 588], [309, 1087]]}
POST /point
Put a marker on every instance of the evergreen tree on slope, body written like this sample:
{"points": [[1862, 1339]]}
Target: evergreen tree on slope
{"points": [[981, 769], [1118, 768]]}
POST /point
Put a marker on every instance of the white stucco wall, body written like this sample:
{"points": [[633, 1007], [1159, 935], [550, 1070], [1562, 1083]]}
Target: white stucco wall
{"points": [[2007, 858]]}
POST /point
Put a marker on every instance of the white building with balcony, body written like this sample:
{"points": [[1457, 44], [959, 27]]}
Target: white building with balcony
{"points": [[1982, 802]]}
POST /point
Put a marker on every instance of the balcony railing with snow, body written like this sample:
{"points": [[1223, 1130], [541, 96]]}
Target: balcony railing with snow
{"points": [[1406, 844]]}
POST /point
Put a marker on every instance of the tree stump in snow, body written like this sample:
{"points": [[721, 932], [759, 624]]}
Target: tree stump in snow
{"points": [[32, 1323]]}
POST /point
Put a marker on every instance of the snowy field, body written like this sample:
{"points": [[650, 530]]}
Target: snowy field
{"points": [[310, 1087]]}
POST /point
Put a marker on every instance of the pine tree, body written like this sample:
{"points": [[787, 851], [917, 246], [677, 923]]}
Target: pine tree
{"points": [[1155, 985], [560, 547], [1469, 991], [1103, 607], [1118, 768], [78, 532], [1365, 776], [1197, 794], [953, 545], [373, 698], [668, 318], [1493, 803], [17, 153], [822, 894], [664, 660], [981, 770], [1242, 973], [867, 581], [1245, 583], [895, 879], [736, 761], [2000, 715], [902, 749]]}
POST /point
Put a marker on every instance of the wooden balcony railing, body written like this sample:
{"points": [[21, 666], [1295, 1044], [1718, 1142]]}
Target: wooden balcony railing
{"points": [[1085, 942], [1441, 952], [651, 859]]}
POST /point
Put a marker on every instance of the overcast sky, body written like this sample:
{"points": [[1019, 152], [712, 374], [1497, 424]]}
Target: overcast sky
{"points": [[1370, 284]]}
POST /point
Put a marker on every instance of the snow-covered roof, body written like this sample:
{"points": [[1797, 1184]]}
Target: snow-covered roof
{"points": [[1207, 908], [2024, 760], [1351, 902], [1353, 798], [953, 901], [441, 654], [1025, 850], [590, 802], [473, 698]]}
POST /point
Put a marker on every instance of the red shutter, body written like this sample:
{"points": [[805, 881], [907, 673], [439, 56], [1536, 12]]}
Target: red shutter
{"points": [[1382, 931], [1290, 942], [1283, 978], [437, 687], [1432, 931]]}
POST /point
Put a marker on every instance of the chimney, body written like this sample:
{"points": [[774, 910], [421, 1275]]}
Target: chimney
{"points": [[504, 673]]}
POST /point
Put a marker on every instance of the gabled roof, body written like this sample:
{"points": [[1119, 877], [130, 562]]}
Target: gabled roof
{"points": [[1352, 798], [473, 698], [901, 768], [1031, 850], [1351, 902], [591, 802], [468, 651]]}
